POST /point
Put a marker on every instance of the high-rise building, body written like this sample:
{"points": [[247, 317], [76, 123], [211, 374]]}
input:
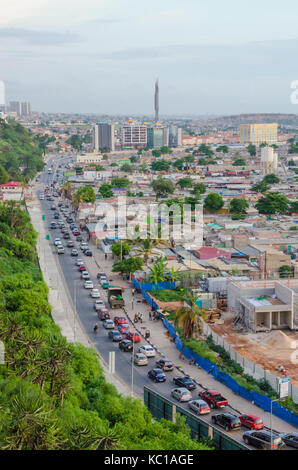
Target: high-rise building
{"points": [[104, 136], [258, 134], [157, 137], [269, 161], [134, 136], [175, 136], [26, 108], [156, 101], [15, 107]]}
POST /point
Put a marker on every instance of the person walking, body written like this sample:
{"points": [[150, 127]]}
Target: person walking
{"points": [[150, 315]]}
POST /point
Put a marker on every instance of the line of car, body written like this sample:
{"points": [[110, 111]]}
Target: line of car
{"points": [[257, 436]]}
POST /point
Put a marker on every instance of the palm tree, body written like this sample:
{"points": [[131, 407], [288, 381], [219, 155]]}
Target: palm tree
{"points": [[187, 319], [158, 271], [147, 248], [66, 189]]}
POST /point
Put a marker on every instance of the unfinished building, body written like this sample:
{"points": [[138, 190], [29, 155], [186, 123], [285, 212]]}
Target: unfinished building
{"points": [[265, 305]]}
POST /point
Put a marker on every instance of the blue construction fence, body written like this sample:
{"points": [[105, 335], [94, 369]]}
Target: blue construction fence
{"points": [[144, 287], [212, 369]]}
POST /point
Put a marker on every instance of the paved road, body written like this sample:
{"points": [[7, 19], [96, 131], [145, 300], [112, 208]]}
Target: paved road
{"points": [[84, 306]]}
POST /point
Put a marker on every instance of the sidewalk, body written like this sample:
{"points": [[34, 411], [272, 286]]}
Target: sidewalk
{"points": [[161, 341]]}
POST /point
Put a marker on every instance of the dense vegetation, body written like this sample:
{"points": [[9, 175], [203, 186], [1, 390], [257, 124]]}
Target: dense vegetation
{"points": [[53, 394], [20, 156]]}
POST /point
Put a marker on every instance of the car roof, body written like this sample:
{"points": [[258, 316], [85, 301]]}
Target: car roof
{"points": [[201, 402], [251, 415], [182, 389]]}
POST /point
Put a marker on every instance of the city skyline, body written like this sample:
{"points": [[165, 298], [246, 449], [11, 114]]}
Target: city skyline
{"points": [[104, 58]]}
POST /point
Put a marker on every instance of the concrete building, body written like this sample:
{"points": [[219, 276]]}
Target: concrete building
{"points": [[86, 158], [157, 137], [265, 305], [175, 136], [156, 101], [15, 107], [269, 161], [104, 136], [134, 136], [258, 134], [25, 108]]}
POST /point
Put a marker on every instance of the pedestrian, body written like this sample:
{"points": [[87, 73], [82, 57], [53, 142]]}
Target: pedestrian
{"points": [[133, 292], [150, 315], [106, 256], [140, 317], [136, 318]]}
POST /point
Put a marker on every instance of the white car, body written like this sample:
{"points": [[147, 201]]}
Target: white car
{"points": [[57, 241], [108, 324], [83, 245], [99, 304], [41, 197], [88, 285], [95, 293], [85, 275], [79, 262], [147, 350], [181, 394]]}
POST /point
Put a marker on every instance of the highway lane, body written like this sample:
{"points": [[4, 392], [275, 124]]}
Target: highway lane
{"points": [[88, 318]]}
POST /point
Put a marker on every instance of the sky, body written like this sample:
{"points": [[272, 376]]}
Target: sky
{"points": [[103, 56]]}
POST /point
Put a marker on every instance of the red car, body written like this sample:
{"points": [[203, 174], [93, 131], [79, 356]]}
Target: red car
{"points": [[121, 321], [213, 398], [76, 232], [251, 421], [82, 268], [134, 337]]}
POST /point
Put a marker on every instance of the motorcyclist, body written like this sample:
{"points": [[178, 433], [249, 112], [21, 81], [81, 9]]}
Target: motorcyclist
{"points": [[95, 329]]}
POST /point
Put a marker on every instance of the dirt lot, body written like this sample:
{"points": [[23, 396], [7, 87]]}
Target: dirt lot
{"points": [[268, 350]]}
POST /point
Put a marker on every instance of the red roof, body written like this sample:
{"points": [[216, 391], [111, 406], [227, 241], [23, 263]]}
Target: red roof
{"points": [[208, 252], [11, 184]]}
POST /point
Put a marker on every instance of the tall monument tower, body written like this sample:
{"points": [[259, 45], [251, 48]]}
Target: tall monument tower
{"points": [[156, 101]]}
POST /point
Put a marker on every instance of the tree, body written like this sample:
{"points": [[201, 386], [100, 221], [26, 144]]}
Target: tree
{"points": [[238, 206], [127, 168], [120, 249], [105, 190], [291, 163], [134, 159], [158, 271], [66, 190], [263, 144], [273, 203], [239, 162], [252, 150], [75, 141], [160, 165], [271, 179], [120, 183], [213, 202], [4, 177], [162, 187], [156, 153], [185, 183], [84, 194], [165, 150], [147, 248], [285, 271], [198, 188], [261, 187], [223, 148], [188, 318], [294, 206], [128, 266]]}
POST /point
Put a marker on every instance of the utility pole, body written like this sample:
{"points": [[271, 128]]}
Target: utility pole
{"points": [[75, 311]]}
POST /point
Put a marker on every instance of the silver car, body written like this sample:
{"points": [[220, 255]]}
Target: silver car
{"points": [[85, 275], [200, 407], [181, 394], [108, 324], [140, 359]]}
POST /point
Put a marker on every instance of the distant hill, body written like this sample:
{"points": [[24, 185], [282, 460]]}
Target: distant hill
{"points": [[20, 156], [282, 119]]}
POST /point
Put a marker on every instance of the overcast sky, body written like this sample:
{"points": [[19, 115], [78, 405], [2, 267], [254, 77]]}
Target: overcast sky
{"points": [[103, 56]]}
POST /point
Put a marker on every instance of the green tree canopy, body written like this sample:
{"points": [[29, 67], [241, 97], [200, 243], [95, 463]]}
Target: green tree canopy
{"points": [[105, 190], [120, 249], [162, 187], [273, 203], [252, 150], [120, 183], [75, 141], [238, 206], [239, 162], [213, 202], [271, 179], [185, 183], [128, 266], [160, 165], [198, 188]]}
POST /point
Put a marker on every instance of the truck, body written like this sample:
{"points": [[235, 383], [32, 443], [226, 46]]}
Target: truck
{"points": [[213, 398], [115, 297]]}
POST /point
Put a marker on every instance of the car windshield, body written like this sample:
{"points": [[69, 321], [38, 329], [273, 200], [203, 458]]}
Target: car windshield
{"points": [[217, 397], [258, 421], [188, 381]]}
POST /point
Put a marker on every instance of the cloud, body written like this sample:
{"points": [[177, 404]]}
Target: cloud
{"points": [[33, 37]]}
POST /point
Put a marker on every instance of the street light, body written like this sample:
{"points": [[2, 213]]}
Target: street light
{"points": [[132, 365]]}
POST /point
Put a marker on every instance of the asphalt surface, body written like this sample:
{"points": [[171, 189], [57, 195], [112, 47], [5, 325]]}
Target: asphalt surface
{"points": [[85, 309]]}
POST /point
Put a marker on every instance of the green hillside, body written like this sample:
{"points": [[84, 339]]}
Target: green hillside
{"points": [[53, 394], [20, 156]]}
